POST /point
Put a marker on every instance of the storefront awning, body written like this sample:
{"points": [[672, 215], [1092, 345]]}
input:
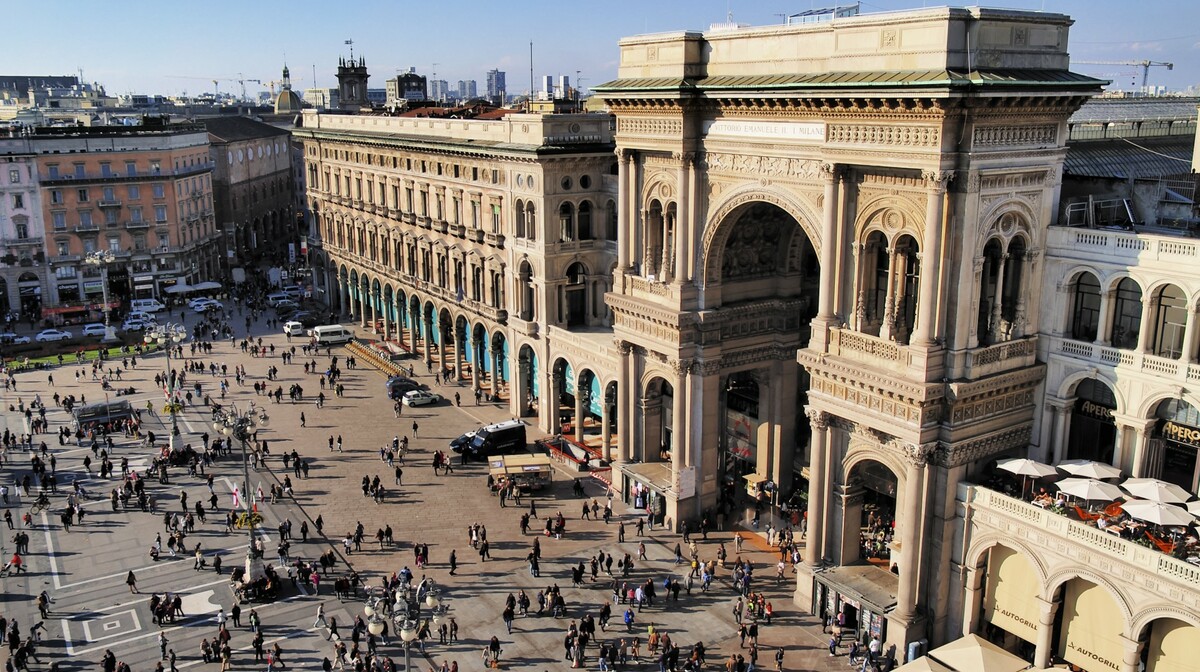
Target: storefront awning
{"points": [[968, 654], [868, 584], [654, 475]]}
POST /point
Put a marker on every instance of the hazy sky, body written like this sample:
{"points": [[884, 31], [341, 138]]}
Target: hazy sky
{"points": [[171, 47]]}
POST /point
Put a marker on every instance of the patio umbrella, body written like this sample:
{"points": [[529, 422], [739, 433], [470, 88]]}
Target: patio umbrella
{"points": [[975, 654], [179, 289], [1156, 490], [1089, 489], [1023, 466], [207, 286], [1157, 512], [1089, 469], [1194, 508]]}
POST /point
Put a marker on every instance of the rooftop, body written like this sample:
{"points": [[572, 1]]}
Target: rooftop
{"points": [[235, 128], [1099, 110]]}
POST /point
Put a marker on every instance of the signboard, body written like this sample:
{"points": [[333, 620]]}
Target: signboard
{"points": [[740, 433], [1173, 431], [291, 253], [685, 482], [1091, 628], [1010, 601], [810, 131]]}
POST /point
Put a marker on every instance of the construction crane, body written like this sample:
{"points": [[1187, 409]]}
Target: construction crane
{"points": [[1144, 65], [216, 82]]}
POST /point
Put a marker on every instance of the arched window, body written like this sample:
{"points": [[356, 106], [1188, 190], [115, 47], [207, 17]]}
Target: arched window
{"points": [[566, 223], [530, 222], [610, 221], [1010, 297], [1127, 314], [1170, 318], [584, 221], [1093, 430], [520, 207], [1085, 308]]}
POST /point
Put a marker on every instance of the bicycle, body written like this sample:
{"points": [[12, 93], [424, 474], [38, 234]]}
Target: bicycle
{"points": [[38, 507]]}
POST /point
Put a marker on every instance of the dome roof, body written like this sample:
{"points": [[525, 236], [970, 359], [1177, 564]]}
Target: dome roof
{"points": [[287, 102]]}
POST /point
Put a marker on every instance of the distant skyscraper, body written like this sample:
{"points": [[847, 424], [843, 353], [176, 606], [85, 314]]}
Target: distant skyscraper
{"points": [[439, 89], [495, 85], [467, 89], [563, 88], [548, 85]]}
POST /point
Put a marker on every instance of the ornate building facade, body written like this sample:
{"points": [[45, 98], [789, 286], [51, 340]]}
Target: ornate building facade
{"points": [[823, 271]]}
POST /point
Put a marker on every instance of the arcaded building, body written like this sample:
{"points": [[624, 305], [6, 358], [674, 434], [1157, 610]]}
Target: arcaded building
{"points": [[815, 265]]}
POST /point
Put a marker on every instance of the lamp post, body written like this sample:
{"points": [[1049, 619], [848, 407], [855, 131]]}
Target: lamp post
{"points": [[167, 336], [240, 425], [101, 259]]}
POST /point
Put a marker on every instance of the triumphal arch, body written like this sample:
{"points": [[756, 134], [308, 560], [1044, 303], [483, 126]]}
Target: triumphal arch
{"points": [[829, 263]]}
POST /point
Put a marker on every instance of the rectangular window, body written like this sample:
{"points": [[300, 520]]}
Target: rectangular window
{"points": [[89, 246], [18, 201], [106, 170], [110, 194], [139, 243], [159, 191], [56, 197], [110, 216], [155, 167], [52, 171], [160, 213], [134, 192], [135, 214], [495, 219], [14, 176], [82, 195], [131, 169], [79, 172], [59, 219], [85, 218], [64, 248], [114, 244]]}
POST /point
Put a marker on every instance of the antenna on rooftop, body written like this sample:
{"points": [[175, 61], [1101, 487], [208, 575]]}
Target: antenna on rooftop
{"points": [[351, 43]]}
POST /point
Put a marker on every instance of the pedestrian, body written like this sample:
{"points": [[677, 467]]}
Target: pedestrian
{"points": [[779, 659], [320, 616], [131, 581], [302, 421], [235, 614]]}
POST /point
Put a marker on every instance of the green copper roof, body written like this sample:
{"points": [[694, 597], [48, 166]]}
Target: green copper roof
{"points": [[837, 80]]}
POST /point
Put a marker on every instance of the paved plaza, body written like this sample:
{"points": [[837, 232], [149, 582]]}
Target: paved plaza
{"points": [[84, 569]]}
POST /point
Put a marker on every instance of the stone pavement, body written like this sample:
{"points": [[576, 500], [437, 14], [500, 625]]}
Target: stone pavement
{"points": [[436, 510]]}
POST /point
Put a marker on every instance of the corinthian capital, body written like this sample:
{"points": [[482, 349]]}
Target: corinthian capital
{"points": [[819, 420], [919, 454], [937, 179], [830, 172]]}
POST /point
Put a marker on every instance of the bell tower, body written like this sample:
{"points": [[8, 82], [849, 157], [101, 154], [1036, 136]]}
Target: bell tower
{"points": [[352, 84]]}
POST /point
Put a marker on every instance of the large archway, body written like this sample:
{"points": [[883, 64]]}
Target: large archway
{"points": [[761, 267], [527, 381]]}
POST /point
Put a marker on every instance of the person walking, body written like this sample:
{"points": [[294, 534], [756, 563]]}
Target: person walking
{"points": [[131, 581], [320, 616]]}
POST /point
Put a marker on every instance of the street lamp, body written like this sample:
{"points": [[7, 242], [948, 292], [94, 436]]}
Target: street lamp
{"points": [[240, 425], [167, 336], [373, 609], [408, 634], [101, 259]]}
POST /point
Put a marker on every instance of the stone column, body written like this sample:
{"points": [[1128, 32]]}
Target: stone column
{"points": [[887, 331], [1062, 420], [679, 433], [427, 324], [1104, 321], [1131, 662], [475, 363], [973, 596], [458, 354], [1045, 633], [387, 322], [973, 319], [931, 259], [917, 458], [578, 423], [495, 352], [374, 299], [624, 400], [1141, 444], [829, 243], [552, 394], [443, 336], [998, 300], [1145, 328], [814, 543], [683, 222], [364, 298], [623, 208], [605, 427]]}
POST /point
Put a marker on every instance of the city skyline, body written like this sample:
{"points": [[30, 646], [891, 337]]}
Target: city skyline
{"points": [[125, 60]]}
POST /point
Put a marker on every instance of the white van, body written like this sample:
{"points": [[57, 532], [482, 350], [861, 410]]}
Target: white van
{"points": [[331, 334], [275, 299], [146, 305]]}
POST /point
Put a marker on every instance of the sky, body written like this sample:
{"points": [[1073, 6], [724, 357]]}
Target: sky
{"points": [[136, 46]]}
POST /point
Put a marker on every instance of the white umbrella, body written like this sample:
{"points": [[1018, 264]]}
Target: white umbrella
{"points": [[1156, 490], [1194, 508], [179, 288], [1157, 512], [207, 286], [1089, 489], [1023, 466], [1089, 469]]}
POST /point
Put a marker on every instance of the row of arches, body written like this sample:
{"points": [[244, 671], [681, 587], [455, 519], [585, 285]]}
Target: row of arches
{"points": [[1119, 313], [1073, 614]]}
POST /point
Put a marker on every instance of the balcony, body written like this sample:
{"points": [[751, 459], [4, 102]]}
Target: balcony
{"points": [[913, 362], [104, 203], [1003, 356], [87, 228], [1068, 541], [24, 242], [494, 239], [1142, 247], [1130, 360], [140, 224]]}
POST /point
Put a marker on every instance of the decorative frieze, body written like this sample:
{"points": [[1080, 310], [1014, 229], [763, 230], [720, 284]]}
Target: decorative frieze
{"points": [[649, 126], [1007, 136], [770, 166], [985, 446], [872, 134]]}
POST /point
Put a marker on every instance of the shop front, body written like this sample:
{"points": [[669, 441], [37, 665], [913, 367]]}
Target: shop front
{"points": [[859, 597], [1175, 445], [646, 486], [1093, 433], [1091, 629], [1010, 604]]}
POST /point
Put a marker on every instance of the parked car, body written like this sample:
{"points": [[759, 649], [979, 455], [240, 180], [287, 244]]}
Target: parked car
{"points": [[285, 304], [204, 307], [305, 318], [293, 329], [134, 324], [397, 386], [10, 338], [94, 329], [52, 335], [421, 398]]}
